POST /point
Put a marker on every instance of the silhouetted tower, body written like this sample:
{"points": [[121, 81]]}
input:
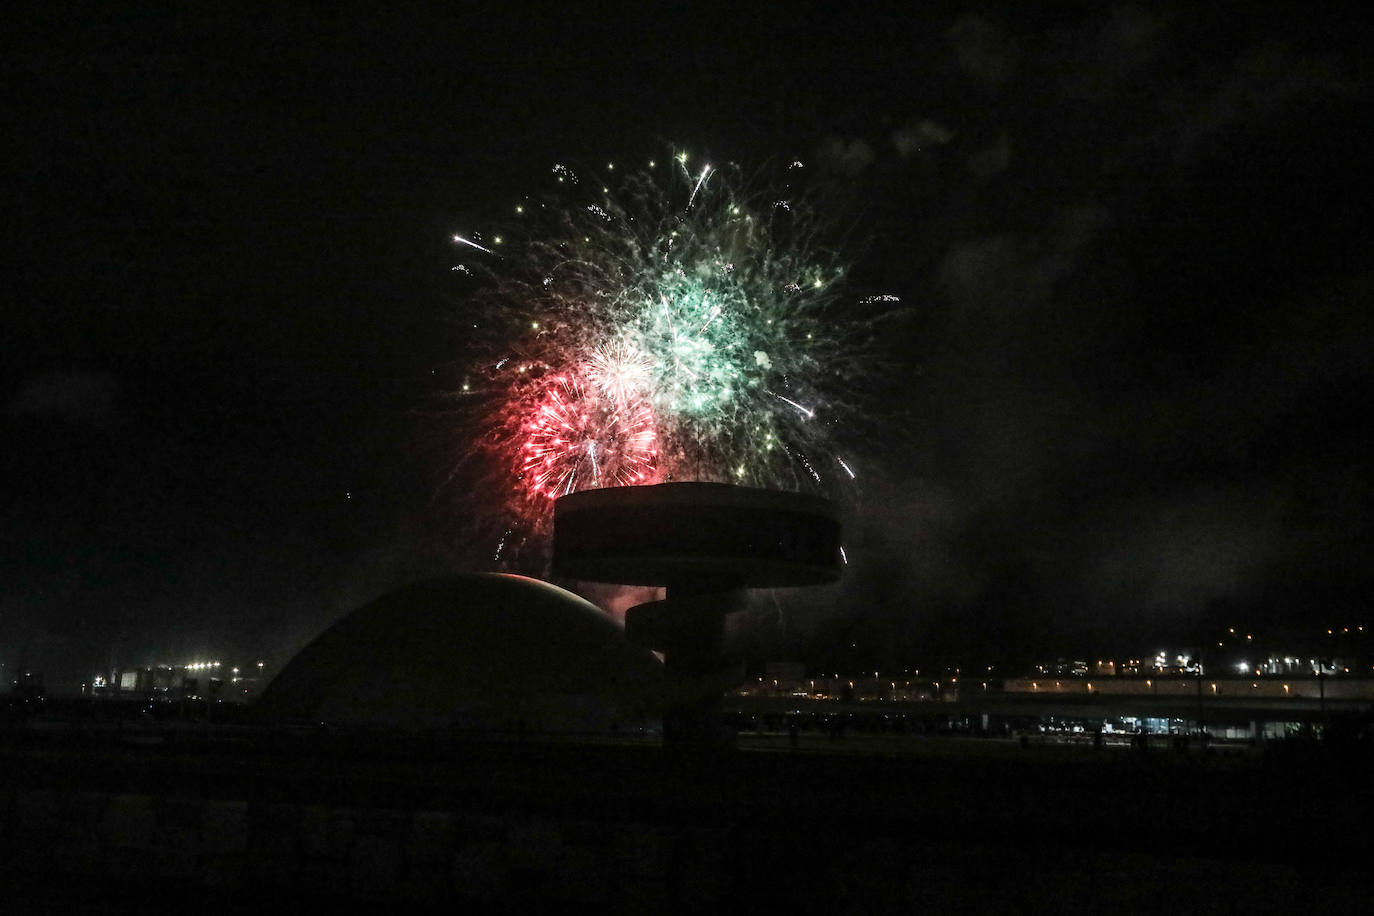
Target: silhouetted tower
{"points": [[706, 543]]}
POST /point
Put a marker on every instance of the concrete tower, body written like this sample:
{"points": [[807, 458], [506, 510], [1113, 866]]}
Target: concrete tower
{"points": [[706, 543]]}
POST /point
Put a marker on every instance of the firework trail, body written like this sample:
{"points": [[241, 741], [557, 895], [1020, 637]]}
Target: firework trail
{"points": [[660, 324]]}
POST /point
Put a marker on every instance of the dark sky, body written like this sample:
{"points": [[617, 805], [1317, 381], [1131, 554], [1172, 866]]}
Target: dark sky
{"points": [[1131, 236]]}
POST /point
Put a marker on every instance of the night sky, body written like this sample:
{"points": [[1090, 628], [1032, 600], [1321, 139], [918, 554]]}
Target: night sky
{"points": [[1129, 401]]}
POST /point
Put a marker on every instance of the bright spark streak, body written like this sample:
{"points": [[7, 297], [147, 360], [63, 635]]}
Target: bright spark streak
{"points": [[844, 556], [704, 172], [715, 313], [805, 411], [461, 240], [596, 470], [846, 467]]}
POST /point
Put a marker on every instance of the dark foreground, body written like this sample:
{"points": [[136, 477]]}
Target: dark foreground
{"points": [[239, 820]]}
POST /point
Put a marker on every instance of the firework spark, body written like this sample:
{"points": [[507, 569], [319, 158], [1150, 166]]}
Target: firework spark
{"points": [[660, 330], [462, 241]]}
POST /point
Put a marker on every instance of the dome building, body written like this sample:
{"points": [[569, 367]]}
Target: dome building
{"points": [[480, 652]]}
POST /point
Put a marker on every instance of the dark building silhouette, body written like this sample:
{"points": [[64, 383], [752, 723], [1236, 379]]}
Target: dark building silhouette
{"points": [[481, 652]]}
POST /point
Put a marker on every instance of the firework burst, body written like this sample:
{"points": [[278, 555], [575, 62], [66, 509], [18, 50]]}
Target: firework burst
{"points": [[577, 436], [665, 324]]}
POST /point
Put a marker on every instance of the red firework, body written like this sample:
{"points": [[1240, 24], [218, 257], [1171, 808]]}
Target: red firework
{"points": [[577, 436]]}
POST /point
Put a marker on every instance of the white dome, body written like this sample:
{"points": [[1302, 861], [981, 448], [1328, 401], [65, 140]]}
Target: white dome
{"points": [[486, 652]]}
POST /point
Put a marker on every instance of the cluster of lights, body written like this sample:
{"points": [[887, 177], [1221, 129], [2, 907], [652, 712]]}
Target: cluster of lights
{"points": [[211, 666]]}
